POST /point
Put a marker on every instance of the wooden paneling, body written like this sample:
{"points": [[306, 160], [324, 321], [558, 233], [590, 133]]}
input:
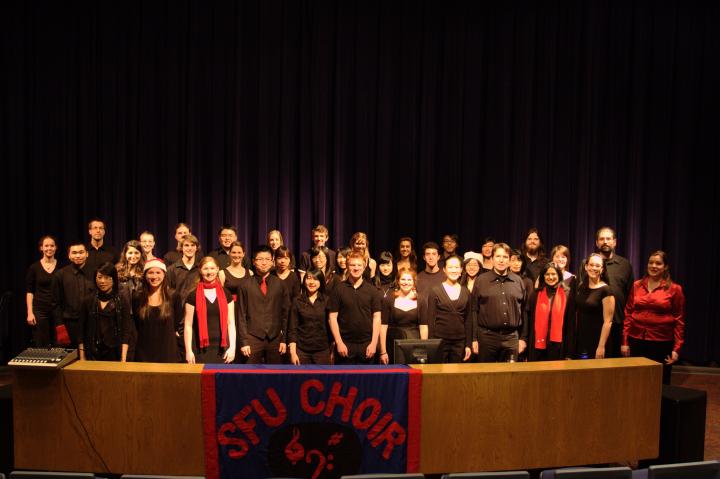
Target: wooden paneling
{"points": [[98, 416], [146, 418], [533, 415]]}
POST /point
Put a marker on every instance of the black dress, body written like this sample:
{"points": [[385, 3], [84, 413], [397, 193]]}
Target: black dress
{"points": [[214, 352], [38, 282], [156, 338], [232, 283], [588, 303], [401, 324]]}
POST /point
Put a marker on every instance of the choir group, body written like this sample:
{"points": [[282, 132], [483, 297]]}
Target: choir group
{"points": [[344, 307]]}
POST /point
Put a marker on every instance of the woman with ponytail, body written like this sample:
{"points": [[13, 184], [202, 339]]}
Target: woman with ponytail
{"points": [[209, 318]]}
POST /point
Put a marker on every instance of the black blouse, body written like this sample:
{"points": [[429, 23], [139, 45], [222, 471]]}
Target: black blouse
{"points": [[308, 324]]}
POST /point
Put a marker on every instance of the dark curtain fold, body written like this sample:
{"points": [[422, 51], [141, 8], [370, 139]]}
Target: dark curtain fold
{"points": [[395, 118]]}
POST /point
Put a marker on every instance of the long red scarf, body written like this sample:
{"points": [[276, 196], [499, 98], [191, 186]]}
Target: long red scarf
{"points": [[201, 312], [543, 315]]}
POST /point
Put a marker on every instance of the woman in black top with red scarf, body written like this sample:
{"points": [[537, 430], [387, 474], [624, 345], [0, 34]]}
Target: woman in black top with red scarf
{"points": [[209, 319], [549, 330], [308, 336]]}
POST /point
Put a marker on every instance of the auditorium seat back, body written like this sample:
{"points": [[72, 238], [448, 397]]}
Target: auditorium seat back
{"points": [[587, 473], [488, 475], [384, 476], [686, 470], [50, 475]]}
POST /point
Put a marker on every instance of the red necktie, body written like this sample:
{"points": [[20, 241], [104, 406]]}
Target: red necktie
{"points": [[263, 287]]}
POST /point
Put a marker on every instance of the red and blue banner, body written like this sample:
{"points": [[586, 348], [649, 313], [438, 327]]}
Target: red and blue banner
{"points": [[310, 421]]}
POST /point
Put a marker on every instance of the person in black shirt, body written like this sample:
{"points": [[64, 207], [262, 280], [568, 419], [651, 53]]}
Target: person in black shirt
{"points": [[355, 310], [341, 263], [130, 273], [99, 251], [500, 298], [620, 279], [71, 285], [406, 255], [533, 251], [320, 237], [171, 257], [226, 237], [283, 270], [450, 243], [38, 296], [105, 319], [403, 315], [486, 251], [209, 328], [307, 327], [147, 240], [385, 277], [450, 314], [432, 275], [263, 308]]}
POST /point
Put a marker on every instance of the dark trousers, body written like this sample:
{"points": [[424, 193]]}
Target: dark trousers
{"points": [[263, 351], [44, 330], [654, 350], [356, 354], [74, 331], [497, 346], [615, 340], [452, 350], [314, 357]]}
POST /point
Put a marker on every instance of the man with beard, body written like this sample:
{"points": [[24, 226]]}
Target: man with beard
{"points": [[620, 279], [71, 285], [534, 252]]}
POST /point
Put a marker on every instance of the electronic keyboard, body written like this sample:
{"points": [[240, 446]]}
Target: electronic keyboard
{"points": [[45, 358]]}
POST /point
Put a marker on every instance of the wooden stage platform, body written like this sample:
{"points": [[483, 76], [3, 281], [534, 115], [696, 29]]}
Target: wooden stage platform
{"points": [[140, 418]]}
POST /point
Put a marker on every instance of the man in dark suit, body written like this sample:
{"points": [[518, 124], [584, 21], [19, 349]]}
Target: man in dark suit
{"points": [[262, 310]]}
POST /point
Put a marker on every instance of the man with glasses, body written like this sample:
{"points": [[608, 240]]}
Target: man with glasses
{"points": [[263, 306]]}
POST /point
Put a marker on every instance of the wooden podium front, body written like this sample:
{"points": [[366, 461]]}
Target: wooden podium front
{"points": [[140, 418]]}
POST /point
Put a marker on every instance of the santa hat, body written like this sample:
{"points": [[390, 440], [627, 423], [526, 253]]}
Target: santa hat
{"points": [[154, 263]]}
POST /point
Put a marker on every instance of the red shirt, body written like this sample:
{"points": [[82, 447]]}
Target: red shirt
{"points": [[655, 316]]}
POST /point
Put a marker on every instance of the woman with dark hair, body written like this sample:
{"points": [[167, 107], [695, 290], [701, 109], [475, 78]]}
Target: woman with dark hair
{"points": [[105, 319], [595, 306], [233, 276], [407, 257], [209, 318], [130, 268], [320, 260], [449, 314], [38, 296], [283, 259], [549, 330], [472, 267], [450, 243], [129, 276], [403, 315], [655, 316], [308, 336], [154, 316], [341, 262], [518, 266], [385, 278]]}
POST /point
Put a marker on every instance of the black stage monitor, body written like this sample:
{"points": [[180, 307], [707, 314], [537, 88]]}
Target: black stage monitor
{"points": [[417, 351]]}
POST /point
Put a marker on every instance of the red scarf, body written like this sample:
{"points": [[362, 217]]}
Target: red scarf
{"points": [[555, 317], [201, 312]]}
